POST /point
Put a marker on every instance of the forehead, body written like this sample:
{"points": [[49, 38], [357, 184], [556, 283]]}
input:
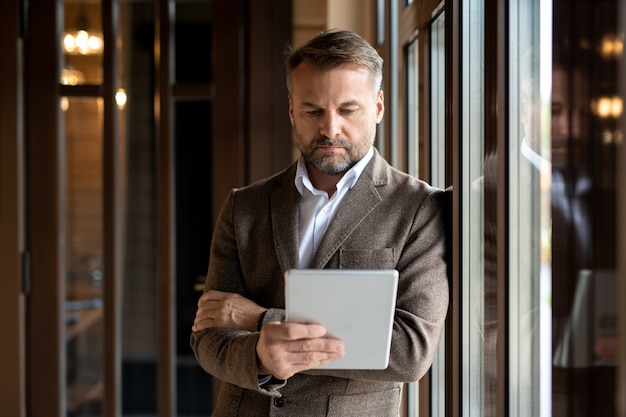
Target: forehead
{"points": [[568, 87], [352, 79]]}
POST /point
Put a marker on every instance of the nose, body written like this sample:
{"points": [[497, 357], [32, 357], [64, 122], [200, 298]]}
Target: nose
{"points": [[330, 125], [560, 124]]}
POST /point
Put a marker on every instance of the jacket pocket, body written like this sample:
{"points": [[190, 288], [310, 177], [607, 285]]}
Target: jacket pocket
{"points": [[367, 258], [371, 404]]}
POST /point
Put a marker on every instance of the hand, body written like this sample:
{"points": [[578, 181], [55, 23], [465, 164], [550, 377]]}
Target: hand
{"points": [[227, 310], [285, 349]]}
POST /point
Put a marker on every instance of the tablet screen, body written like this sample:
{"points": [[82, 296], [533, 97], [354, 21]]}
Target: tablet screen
{"points": [[356, 306]]}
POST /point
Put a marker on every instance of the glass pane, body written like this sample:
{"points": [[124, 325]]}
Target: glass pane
{"points": [[529, 215], [478, 373], [412, 92], [84, 220], [193, 41], [437, 100], [194, 220], [438, 178], [81, 42], [585, 135], [140, 328]]}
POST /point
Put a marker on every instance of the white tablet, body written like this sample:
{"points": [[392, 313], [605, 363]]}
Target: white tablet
{"points": [[356, 306]]}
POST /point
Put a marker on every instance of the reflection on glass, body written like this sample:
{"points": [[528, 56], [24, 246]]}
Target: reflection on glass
{"points": [[437, 98], [412, 84], [438, 175], [84, 219], [584, 131], [529, 214], [478, 297], [81, 41]]}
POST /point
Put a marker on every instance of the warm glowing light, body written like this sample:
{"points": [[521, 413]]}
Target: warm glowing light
{"points": [[608, 107], [65, 103], [121, 98], [611, 137], [612, 46], [82, 42], [72, 77]]}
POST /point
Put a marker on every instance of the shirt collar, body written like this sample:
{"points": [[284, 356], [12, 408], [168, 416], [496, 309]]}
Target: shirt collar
{"points": [[539, 162], [303, 181]]}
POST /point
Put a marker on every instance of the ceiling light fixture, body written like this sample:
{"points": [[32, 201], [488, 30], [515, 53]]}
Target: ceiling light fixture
{"points": [[83, 40]]}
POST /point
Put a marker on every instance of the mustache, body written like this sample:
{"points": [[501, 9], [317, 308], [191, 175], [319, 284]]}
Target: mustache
{"points": [[325, 141]]}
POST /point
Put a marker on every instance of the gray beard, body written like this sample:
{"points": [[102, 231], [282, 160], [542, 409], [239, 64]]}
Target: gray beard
{"points": [[327, 166], [330, 164]]}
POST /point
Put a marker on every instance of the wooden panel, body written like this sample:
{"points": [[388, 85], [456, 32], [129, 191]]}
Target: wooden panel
{"points": [[165, 211], [269, 128], [12, 354], [230, 124], [46, 346]]}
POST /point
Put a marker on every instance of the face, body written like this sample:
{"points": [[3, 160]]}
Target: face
{"points": [[334, 115], [567, 113]]}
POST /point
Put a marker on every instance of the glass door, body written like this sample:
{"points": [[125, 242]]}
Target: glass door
{"points": [[120, 192], [89, 197], [110, 309]]}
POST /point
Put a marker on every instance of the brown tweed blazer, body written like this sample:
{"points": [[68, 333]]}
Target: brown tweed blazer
{"points": [[388, 220]]}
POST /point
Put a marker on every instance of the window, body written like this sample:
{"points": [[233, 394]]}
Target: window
{"points": [[529, 209], [438, 166], [416, 85], [437, 106], [412, 107], [474, 93], [478, 298]]}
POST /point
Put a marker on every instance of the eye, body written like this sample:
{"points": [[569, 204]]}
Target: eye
{"points": [[348, 112], [313, 113]]}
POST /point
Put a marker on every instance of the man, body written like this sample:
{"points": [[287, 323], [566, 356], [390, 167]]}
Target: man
{"points": [[341, 205]]}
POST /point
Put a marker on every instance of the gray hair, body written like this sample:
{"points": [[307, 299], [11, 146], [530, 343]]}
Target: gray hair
{"points": [[332, 49]]}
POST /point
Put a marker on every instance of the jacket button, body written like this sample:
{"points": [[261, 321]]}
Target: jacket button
{"points": [[279, 401]]}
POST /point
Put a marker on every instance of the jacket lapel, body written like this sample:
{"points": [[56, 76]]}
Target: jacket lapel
{"points": [[285, 212], [356, 205]]}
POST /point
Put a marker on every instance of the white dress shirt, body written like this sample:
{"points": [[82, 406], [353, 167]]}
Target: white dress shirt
{"points": [[317, 210]]}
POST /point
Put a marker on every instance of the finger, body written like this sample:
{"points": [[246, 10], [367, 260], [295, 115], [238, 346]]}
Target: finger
{"points": [[294, 331], [307, 360], [319, 345], [212, 295], [287, 371], [202, 324], [284, 359], [204, 313]]}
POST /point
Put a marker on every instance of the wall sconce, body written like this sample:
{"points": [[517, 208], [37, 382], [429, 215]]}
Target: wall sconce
{"points": [[64, 103], [121, 98]]}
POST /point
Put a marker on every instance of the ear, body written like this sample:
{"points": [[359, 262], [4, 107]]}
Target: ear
{"points": [[291, 110], [380, 106]]}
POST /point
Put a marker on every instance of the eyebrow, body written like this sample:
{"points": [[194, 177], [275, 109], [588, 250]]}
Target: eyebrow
{"points": [[344, 104]]}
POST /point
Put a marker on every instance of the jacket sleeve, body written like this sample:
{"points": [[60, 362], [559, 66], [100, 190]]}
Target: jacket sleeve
{"points": [[229, 354]]}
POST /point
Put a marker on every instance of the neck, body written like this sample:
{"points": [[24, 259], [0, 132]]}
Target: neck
{"points": [[323, 181]]}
